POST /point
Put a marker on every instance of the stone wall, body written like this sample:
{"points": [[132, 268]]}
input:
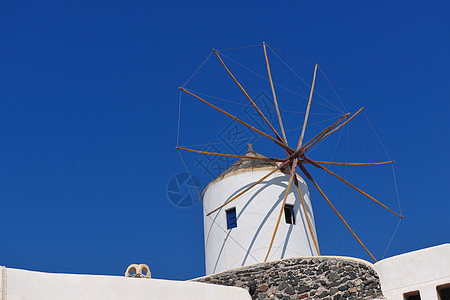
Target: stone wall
{"points": [[329, 278]]}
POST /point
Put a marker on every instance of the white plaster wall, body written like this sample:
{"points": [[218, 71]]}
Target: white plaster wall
{"points": [[257, 213], [420, 270], [24, 285]]}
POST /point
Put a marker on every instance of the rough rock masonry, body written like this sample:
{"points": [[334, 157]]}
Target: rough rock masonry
{"points": [[328, 278]]}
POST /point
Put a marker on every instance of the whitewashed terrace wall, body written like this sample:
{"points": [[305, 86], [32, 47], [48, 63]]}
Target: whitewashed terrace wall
{"points": [[23, 285], [421, 270]]}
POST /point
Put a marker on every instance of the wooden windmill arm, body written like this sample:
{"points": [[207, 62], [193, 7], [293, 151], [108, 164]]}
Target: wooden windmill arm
{"points": [[294, 163], [248, 97], [307, 218], [300, 140], [335, 210], [327, 134], [282, 144], [348, 183], [243, 192], [233, 155], [326, 130], [274, 95], [352, 163]]}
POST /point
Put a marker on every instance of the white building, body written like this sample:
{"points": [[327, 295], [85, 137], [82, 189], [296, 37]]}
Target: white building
{"points": [[240, 233], [422, 274]]}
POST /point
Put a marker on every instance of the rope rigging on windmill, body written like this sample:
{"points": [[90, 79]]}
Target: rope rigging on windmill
{"points": [[256, 191]]}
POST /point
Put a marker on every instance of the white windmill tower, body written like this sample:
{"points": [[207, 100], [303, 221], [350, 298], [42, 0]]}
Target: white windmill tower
{"points": [[250, 219], [245, 205]]}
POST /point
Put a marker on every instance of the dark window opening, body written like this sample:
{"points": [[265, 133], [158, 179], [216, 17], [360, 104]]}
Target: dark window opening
{"points": [[289, 214], [444, 291], [231, 218], [412, 295]]}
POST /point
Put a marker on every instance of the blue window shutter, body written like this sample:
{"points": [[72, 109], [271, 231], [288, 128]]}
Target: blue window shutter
{"points": [[231, 218]]}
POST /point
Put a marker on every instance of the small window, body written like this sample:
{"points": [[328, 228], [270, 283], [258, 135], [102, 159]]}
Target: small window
{"points": [[444, 291], [412, 295], [289, 214], [231, 218]]}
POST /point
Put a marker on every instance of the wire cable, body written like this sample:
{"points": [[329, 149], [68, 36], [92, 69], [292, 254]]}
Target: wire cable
{"points": [[396, 190], [229, 49], [285, 88], [307, 84], [392, 237], [372, 223], [265, 107], [343, 191], [198, 69], [308, 62], [332, 88], [179, 120]]}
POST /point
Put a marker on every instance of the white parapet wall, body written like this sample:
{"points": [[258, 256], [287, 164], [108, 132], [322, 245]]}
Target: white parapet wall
{"points": [[23, 285], [423, 271]]}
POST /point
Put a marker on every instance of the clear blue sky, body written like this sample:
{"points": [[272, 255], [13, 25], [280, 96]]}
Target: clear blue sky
{"points": [[89, 107]]}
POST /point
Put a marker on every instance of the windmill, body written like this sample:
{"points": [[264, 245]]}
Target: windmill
{"points": [[297, 158]]}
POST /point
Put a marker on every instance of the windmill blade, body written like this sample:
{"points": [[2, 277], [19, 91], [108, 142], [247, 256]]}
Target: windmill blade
{"points": [[289, 149], [335, 210], [326, 130], [234, 155], [248, 97], [274, 95], [307, 109], [282, 206], [307, 218], [294, 163], [352, 164], [351, 185], [327, 134]]}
